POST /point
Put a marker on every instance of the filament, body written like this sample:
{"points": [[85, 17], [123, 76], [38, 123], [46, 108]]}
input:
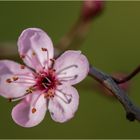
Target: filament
{"points": [[17, 99], [69, 67], [68, 78], [65, 99]]}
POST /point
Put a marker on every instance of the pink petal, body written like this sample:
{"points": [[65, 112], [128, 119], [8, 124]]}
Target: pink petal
{"points": [[71, 67], [8, 70], [65, 103], [30, 111], [35, 48]]}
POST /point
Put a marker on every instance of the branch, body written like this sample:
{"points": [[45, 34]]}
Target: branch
{"points": [[132, 111], [74, 38], [77, 34], [8, 48], [128, 77]]}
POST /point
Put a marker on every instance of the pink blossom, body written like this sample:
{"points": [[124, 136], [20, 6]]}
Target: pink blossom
{"points": [[45, 83]]}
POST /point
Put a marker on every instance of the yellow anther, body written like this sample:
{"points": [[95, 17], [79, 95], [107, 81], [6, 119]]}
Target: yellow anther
{"points": [[30, 90]]}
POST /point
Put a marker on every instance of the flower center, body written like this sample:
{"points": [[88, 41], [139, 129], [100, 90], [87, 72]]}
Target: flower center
{"points": [[47, 81]]}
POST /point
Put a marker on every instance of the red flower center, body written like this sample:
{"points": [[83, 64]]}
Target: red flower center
{"points": [[47, 80]]}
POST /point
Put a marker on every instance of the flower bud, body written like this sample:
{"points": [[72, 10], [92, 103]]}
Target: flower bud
{"points": [[91, 8]]}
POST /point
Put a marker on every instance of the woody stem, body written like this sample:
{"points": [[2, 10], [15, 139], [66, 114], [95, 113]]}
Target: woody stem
{"points": [[132, 111]]}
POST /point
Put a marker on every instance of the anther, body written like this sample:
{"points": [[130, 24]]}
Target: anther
{"points": [[33, 53], [22, 67], [22, 56], [53, 62], [8, 80], [30, 90], [33, 110], [44, 49], [49, 94], [15, 78]]}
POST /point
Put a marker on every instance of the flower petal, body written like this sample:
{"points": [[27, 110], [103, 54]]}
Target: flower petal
{"points": [[10, 70], [35, 48], [30, 111], [71, 67], [65, 103]]}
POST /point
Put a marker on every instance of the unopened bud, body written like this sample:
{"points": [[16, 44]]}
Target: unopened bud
{"points": [[91, 8]]}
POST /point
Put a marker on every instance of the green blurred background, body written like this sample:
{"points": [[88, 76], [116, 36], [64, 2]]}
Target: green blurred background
{"points": [[113, 44]]}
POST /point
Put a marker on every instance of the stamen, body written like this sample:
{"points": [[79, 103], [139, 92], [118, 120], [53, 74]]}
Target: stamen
{"points": [[22, 56], [33, 53], [26, 78], [36, 100], [53, 62], [8, 80], [69, 67], [15, 78], [48, 79], [25, 82], [46, 64], [22, 66], [23, 77], [49, 94], [30, 90], [65, 99], [44, 85], [68, 77], [33, 110], [44, 49], [33, 60], [17, 99]]}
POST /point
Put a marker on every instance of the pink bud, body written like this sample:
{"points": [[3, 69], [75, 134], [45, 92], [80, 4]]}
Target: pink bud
{"points": [[91, 8]]}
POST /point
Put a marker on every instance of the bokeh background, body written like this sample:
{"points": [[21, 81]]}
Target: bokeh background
{"points": [[113, 45]]}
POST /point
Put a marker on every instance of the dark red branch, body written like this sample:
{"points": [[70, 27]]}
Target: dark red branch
{"points": [[128, 77]]}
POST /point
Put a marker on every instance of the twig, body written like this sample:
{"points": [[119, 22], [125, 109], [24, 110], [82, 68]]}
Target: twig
{"points": [[77, 34], [132, 111], [74, 38], [128, 77]]}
